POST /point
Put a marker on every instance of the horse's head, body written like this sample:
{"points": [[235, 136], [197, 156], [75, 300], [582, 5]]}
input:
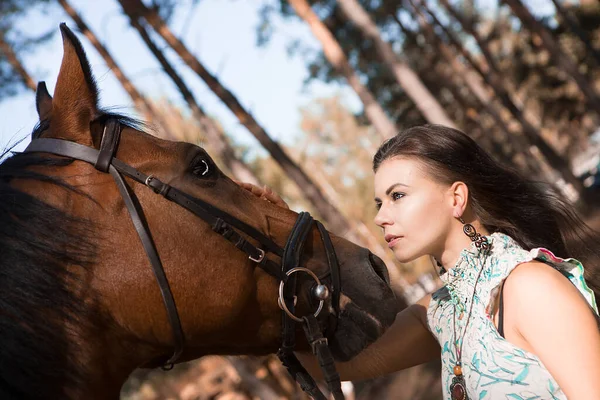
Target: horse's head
{"points": [[225, 303]]}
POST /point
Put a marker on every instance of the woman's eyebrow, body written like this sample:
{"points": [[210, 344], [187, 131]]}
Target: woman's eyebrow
{"points": [[389, 190]]}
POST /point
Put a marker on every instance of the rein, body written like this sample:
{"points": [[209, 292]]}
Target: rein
{"points": [[227, 226]]}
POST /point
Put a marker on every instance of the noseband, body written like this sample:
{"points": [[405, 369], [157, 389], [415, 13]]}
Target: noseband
{"points": [[224, 224]]}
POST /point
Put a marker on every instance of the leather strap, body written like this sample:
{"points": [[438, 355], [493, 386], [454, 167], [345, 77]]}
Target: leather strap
{"points": [[139, 222], [108, 145], [300, 375], [202, 209], [320, 348], [291, 259], [334, 270]]}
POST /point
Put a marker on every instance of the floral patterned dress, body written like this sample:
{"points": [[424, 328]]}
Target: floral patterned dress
{"points": [[492, 367]]}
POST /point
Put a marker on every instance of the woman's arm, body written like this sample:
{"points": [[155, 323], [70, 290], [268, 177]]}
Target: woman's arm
{"points": [[550, 314], [408, 342]]}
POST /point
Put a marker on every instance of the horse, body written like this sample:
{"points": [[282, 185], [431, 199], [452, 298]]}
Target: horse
{"points": [[109, 264]]}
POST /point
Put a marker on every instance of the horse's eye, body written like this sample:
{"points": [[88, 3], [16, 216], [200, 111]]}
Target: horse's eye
{"points": [[201, 168]]}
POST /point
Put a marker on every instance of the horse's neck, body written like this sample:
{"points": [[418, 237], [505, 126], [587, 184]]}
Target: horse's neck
{"points": [[107, 360], [103, 383]]}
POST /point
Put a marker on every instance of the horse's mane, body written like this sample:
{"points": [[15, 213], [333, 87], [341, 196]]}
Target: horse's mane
{"points": [[37, 242]]}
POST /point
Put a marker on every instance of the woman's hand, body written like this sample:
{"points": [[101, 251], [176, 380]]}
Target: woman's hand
{"points": [[264, 193]]}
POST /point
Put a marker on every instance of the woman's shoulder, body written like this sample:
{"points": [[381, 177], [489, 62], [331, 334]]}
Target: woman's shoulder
{"points": [[534, 277], [541, 268], [537, 295], [571, 268]]}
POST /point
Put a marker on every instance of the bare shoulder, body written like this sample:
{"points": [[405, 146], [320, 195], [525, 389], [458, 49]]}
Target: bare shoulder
{"points": [[536, 290], [534, 279]]}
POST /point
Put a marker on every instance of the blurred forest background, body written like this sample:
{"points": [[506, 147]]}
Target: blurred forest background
{"points": [[521, 77]]}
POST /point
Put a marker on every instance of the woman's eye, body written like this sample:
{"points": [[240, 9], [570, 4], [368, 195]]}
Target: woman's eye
{"points": [[201, 168], [397, 196], [378, 206]]}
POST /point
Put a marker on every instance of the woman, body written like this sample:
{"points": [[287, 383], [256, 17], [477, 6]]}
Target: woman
{"points": [[506, 323]]}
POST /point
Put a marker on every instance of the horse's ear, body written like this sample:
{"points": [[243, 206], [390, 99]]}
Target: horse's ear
{"points": [[75, 102], [43, 101]]}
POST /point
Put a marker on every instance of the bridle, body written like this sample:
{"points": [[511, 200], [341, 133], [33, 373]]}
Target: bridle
{"points": [[227, 226]]}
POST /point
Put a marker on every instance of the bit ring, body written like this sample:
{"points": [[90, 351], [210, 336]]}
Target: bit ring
{"points": [[282, 302]]}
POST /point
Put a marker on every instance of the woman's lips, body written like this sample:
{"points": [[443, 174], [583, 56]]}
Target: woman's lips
{"points": [[393, 242]]}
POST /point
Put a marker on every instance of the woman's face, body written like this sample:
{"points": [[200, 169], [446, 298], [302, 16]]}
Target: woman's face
{"points": [[415, 211]]}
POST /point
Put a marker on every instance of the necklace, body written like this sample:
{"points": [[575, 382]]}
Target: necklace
{"points": [[458, 390]]}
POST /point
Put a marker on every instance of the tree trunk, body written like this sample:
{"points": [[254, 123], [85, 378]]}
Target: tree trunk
{"points": [[486, 75], [214, 133], [562, 60], [469, 79], [14, 61], [333, 217], [489, 67], [470, 29], [475, 86], [336, 57], [495, 81], [141, 103], [405, 76], [575, 28]]}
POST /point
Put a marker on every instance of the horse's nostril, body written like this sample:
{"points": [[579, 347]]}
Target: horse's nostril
{"points": [[379, 267]]}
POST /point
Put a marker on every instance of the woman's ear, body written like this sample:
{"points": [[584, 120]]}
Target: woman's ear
{"points": [[459, 197]]}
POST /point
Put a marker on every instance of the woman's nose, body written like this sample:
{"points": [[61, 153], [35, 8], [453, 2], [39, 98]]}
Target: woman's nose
{"points": [[381, 218]]}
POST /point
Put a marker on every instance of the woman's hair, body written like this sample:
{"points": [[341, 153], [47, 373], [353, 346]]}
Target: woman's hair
{"points": [[532, 213]]}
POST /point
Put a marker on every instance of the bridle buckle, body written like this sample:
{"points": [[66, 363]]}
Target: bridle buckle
{"points": [[260, 257], [317, 342], [148, 180]]}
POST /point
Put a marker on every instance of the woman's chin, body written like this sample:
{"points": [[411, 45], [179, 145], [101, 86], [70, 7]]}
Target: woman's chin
{"points": [[405, 257], [402, 256]]}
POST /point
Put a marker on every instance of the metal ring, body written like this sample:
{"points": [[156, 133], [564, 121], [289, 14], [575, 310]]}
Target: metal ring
{"points": [[148, 179], [282, 301]]}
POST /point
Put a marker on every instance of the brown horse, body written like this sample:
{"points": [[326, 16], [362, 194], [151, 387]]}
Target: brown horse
{"points": [[80, 307]]}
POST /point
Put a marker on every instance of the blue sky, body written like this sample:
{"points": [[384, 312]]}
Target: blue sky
{"points": [[221, 33]]}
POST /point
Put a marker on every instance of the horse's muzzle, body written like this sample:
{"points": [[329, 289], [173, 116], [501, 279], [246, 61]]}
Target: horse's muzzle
{"points": [[379, 267]]}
